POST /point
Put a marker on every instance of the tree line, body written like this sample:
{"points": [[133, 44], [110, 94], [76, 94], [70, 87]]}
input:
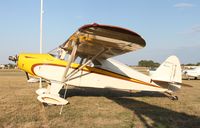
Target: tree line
{"points": [[190, 64], [152, 64], [148, 63]]}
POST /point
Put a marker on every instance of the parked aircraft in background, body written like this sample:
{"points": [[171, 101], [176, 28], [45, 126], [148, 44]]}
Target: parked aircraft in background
{"points": [[192, 73]]}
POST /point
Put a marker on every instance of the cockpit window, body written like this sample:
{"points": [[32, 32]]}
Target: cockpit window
{"points": [[55, 53], [96, 63], [61, 54]]}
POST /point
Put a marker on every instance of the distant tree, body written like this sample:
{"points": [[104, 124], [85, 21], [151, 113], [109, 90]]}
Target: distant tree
{"points": [[198, 64], [6, 66], [190, 64], [148, 63], [11, 66]]}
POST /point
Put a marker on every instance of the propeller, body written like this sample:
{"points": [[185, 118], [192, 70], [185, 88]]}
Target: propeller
{"points": [[27, 76], [13, 58]]}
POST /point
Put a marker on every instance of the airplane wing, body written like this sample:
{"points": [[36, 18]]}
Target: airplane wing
{"points": [[93, 38]]}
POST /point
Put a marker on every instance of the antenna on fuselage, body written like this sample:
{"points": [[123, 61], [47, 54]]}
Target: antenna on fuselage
{"points": [[41, 23]]}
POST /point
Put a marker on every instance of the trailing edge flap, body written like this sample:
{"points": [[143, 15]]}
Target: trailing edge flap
{"points": [[169, 71]]}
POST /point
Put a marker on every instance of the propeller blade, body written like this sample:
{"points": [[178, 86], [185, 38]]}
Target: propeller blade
{"points": [[13, 58], [27, 76]]}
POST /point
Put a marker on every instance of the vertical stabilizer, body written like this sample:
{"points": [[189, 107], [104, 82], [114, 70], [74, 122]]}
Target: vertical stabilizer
{"points": [[169, 71]]}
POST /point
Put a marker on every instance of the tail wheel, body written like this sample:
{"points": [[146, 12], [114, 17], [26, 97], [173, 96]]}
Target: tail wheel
{"points": [[173, 97]]}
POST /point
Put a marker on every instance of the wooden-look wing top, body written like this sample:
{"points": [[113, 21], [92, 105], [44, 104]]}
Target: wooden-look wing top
{"points": [[93, 38]]}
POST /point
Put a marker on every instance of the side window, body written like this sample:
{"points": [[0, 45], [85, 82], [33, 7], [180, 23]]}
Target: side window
{"points": [[97, 63], [58, 53], [54, 53], [78, 60], [63, 55]]}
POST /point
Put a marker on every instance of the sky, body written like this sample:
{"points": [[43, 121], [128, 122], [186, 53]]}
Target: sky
{"points": [[169, 27]]}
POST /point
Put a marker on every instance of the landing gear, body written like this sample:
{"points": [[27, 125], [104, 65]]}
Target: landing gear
{"points": [[171, 96], [44, 104]]}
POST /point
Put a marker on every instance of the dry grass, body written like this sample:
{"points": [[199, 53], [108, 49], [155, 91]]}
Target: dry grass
{"points": [[99, 108]]}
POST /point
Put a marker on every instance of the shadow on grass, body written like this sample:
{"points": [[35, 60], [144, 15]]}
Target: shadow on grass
{"points": [[108, 93], [161, 117]]}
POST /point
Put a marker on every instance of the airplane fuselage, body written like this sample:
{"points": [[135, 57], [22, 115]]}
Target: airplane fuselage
{"points": [[111, 74]]}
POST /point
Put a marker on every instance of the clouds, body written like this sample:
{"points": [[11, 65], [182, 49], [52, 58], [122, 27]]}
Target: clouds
{"points": [[183, 5], [195, 29]]}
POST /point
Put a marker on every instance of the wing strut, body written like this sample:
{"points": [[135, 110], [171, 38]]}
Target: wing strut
{"points": [[70, 59], [85, 64]]}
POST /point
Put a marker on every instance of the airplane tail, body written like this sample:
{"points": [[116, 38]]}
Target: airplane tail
{"points": [[169, 74]]}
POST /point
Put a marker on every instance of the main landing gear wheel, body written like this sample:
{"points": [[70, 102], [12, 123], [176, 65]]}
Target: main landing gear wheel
{"points": [[51, 99]]}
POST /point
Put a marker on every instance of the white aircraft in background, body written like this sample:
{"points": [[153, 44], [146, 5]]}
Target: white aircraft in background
{"points": [[192, 73], [84, 60]]}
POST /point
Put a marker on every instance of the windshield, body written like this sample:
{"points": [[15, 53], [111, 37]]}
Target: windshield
{"points": [[61, 54], [58, 53]]}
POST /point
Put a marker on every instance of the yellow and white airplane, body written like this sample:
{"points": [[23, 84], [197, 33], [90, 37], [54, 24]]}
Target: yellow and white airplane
{"points": [[84, 60]]}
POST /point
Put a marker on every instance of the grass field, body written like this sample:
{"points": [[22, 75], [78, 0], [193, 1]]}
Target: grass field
{"points": [[96, 108]]}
